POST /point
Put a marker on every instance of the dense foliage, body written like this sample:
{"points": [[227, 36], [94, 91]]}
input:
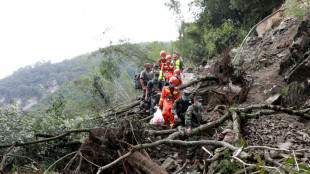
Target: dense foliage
{"points": [[218, 25]]}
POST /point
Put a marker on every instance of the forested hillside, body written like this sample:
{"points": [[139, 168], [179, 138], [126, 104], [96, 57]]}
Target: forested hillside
{"points": [[42, 82], [249, 63]]}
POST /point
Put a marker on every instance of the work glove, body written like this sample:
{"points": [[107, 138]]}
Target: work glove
{"points": [[176, 117]]}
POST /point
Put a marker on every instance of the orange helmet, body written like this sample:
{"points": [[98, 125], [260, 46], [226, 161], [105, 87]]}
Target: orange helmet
{"points": [[168, 57], [177, 71], [174, 81], [163, 54]]}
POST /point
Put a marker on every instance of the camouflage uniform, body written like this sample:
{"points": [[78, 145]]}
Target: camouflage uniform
{"points": [[193, 119], [179, 108]]}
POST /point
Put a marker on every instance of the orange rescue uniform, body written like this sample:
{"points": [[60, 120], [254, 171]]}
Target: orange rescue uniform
{"points": [[180, 81], [161, 61], [167, 70], [167, 101]]}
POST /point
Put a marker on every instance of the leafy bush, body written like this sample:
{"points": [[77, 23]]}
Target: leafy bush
{"points": [[217, 39], [295, 8]]}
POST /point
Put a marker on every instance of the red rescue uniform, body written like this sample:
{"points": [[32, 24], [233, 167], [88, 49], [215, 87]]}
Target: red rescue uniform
{"points": [[180, 81], [166, 101], [161, 61], [168, 70]]}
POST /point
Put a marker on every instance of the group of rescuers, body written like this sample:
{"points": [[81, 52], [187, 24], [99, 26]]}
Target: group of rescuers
{"points": [[159, 89]]}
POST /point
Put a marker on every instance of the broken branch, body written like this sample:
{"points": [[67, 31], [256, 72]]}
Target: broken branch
{"points": [[49, 139]]}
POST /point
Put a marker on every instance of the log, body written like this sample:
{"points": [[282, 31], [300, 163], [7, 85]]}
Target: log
{"points": [[197, 80], [303, 113], [236, 128], [145, 164], [160, 132]]}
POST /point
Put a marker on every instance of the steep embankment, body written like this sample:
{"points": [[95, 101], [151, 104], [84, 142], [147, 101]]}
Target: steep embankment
{"points": [[277, 64]]}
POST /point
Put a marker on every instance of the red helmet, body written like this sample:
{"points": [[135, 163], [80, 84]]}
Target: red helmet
{"points": [[163, 54], [168, 57], [177, 71], [174, 81]]}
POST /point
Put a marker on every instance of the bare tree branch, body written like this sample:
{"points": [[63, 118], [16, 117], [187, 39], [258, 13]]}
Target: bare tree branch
{"points": [[5, 155], [58, 161], [49, 139]]}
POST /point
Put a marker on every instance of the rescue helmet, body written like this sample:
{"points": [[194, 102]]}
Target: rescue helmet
{"points": [[168, 57], [174, 81], [177, 71], [163, 53]]}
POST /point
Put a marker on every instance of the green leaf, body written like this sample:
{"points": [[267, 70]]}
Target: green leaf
{"points": [[302, 166], [262, 171], [258, 158], [290, 160], [256, 166]]}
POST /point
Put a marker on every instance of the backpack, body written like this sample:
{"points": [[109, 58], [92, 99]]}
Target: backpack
{"points": [[137, 81]]}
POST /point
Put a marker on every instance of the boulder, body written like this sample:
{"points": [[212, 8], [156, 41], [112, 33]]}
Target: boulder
{"points": [[169, 164], [274, 99]]}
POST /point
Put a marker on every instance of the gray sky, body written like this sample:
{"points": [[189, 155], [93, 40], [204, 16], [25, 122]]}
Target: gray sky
{"points": [[37, 30]]}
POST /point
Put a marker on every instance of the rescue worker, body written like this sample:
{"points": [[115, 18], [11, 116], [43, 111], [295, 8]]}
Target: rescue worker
{"points": [[168, 95], [145, 77], [180, 107], [153, 91], [167, 68], [193, 119], [178, 64], [162, 58], [177, 74]]}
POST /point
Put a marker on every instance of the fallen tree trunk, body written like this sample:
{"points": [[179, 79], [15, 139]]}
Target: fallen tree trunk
{"points": [[236, 127], [145, 164], [197, 80]]}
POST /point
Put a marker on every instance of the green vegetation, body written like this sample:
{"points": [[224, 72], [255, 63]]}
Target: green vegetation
{"points": [[219, 24], [293, 7]]}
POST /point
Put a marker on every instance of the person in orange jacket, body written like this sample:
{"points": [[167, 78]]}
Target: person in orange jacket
{"points": [[168, 95], [177, 74], [162, 58], [168, 68]]}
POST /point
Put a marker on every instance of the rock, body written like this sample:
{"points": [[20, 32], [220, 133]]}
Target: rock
{"points": [[263, 62], [285, 145], [274, 99], [232, 88], [168, 164], [303, 134]]}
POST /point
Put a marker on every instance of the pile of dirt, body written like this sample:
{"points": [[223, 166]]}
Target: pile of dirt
{"points": [[280, 130]]}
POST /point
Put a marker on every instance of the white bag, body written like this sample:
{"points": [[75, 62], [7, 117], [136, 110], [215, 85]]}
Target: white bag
{"points": [[158, 119]]}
